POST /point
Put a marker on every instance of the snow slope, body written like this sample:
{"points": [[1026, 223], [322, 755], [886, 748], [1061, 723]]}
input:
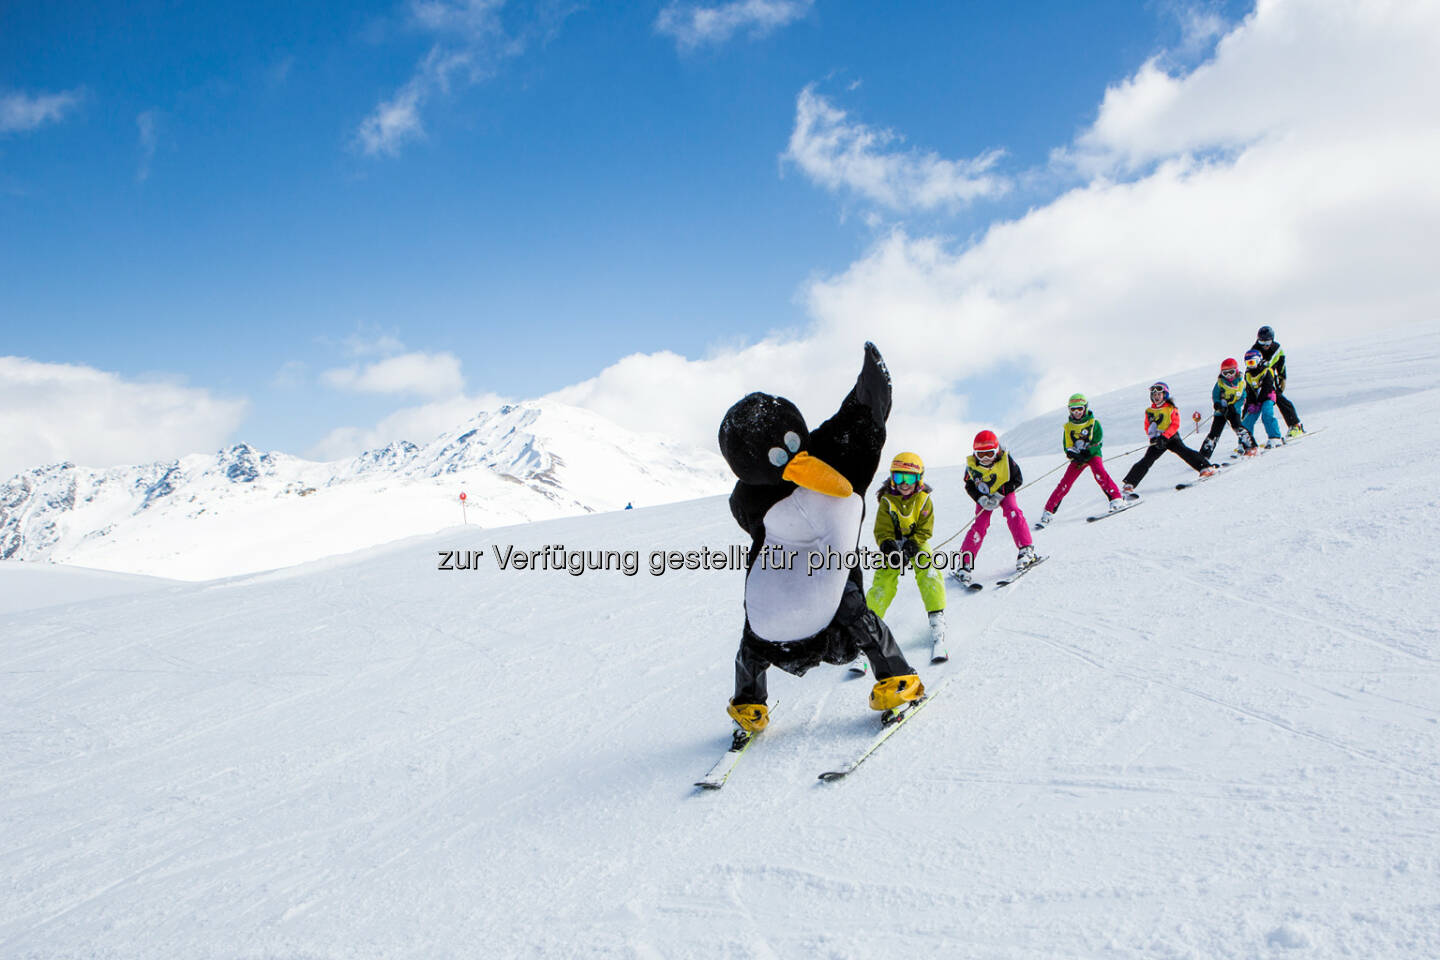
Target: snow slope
{"points": [[35, 585], [243, 510], [1207, 728]]}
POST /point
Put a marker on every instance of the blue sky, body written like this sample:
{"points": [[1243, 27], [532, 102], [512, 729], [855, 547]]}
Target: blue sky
{"points": [[197, 204]]}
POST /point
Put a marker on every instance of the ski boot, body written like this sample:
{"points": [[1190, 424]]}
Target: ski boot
{"points": [[859, 666], [1128, 492], [1044, 520], [1210, 470], [965, 576], [1274, 442], [751, 717], [1117, 504], [938, 653], [891, 696], [1207, 448], [1026, 557], [1296, 431]]}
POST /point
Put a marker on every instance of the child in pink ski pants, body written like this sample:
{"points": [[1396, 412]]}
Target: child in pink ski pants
{"points": [[992, 478], [1072, 470], [1019, 529]]}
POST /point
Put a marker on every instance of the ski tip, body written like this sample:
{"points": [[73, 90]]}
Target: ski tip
{"points": [[830, 775], [706, 785], [942, 658]]}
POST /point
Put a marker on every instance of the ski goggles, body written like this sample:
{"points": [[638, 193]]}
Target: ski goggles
{"points": [[985, 456], [903, 478], [1252, 362], [1077, 410], [1264, 343]]}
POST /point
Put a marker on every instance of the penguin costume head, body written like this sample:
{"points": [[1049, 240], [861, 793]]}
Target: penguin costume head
{"points": [[764, 438]]}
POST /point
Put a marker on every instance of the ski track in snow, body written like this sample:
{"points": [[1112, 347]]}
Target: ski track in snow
{"points": [[1210, 728]]}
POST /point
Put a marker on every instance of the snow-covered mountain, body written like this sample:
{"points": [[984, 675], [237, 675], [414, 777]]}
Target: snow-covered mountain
{"points": [[1207, 728], [241, 509]]}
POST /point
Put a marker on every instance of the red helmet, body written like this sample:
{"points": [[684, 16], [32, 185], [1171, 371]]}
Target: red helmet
{"points": [[986, 441], [1229, 365]]}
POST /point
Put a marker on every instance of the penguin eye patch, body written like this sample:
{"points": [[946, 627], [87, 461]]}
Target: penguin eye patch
{"points": [[792, 441], [779, 457]]}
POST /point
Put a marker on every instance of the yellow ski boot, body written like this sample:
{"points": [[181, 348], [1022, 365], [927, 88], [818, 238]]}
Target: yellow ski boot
{"points": [[752, 717], [889, 694]]}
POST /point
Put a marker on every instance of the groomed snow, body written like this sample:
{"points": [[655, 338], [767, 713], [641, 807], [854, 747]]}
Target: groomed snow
{"points": [[1207, 728]]}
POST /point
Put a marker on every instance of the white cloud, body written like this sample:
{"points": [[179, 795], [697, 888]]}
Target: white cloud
{"points": [[418, 424], [421, 374], [841, 154], [145, 123], [472, 42], [380, 344], [21, 113], [1287, 180], [1294, 68], [693, 25], [51, 412]]}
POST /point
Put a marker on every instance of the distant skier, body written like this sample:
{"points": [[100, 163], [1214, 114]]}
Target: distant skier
{"points": [[1228, 398], [1162, 425], [796, 496], [1273, 356], [1260, 396], [904, 524], [991, 478], [1081, 440]]}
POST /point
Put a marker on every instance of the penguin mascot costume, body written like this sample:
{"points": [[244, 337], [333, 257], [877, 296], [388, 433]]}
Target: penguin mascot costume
{"points": [[801, 492]]}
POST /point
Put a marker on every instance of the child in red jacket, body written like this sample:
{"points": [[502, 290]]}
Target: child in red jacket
{"points": [[1162, 423]]}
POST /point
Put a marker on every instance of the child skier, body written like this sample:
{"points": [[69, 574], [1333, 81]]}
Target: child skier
{"points": [[1162, 424], [1260, 397], [904, 524], [1273, 356], [1228, 398], [1080, 439], [991, 478]]}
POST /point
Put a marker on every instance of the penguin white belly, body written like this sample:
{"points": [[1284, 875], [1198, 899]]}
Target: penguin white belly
{"points": [[786, 604]]}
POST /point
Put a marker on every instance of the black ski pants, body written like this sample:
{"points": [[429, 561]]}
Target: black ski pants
{"points": [[854, 629], [1217, 425], [1282, 402], [1176, 446]]}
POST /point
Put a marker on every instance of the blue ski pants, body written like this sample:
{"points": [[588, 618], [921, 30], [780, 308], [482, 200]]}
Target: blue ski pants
{"points": [[1267, 413]]}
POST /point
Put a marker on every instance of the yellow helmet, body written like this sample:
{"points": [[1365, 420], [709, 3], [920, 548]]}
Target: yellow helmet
{"points": [[907, 462]]}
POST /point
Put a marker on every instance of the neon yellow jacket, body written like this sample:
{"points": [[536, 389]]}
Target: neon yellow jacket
{"points": [[900, 517]]}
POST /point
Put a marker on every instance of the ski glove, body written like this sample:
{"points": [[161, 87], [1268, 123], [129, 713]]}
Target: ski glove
{"points": [[990, 501], [890, 549], [910, 548]]}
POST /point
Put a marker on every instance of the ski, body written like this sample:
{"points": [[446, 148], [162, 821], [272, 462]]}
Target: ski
{"points": [[1308, 433], [938, 653], [740, 741], [1199, 479], [971, 587], [886, 732], [1111, 513], [1006, 581]]}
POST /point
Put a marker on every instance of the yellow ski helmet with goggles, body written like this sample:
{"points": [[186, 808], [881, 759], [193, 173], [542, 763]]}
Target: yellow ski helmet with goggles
{"points": [[907, 467]]}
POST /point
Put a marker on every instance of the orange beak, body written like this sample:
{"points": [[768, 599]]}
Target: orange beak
{"points": [[817, 475]]}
